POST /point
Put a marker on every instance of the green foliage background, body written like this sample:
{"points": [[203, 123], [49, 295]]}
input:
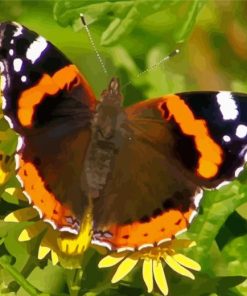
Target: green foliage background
{"points": [[132, 36]]}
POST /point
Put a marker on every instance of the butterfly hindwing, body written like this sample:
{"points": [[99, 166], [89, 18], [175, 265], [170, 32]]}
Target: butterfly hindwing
{"points": [[146, 198], [175, 146]]}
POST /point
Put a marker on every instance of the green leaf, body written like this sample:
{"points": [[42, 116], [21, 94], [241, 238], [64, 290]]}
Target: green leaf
{"points": [[122, 16], [52, 283], [68, 12], [8, 141], [235, 254], [17, 276], [203, 285], [217, 206], [241, 289], [15, 248], [189, 22]]}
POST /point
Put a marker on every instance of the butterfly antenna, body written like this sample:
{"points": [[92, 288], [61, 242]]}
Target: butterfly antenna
{"points": [[93, 43], [156, 65]]}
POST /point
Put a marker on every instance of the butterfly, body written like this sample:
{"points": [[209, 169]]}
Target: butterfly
{"points": [[143, 167]]}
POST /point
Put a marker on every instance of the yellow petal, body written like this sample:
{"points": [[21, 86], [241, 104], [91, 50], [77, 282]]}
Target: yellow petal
{"points": [[3, 176], [24, 236], [160, 277], [43, 251], [147, 274], [112, 259], [11, 218], [178, 268], [54, 258], [21, 215], [124, 268], [10, 190], [32, 231], [76, 245], [187, 262]]}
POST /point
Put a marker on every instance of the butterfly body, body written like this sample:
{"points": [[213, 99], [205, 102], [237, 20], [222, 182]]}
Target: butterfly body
{"points": [[107, 134], [143, 167]]}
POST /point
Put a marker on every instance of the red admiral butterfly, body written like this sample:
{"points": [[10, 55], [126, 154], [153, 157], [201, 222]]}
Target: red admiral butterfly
{"points": [[144, 167]]}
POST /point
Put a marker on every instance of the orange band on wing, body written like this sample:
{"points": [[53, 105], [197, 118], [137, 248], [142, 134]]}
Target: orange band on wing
{"points": [[65, 78], [41, 197], [211, 155], [164, 226]]}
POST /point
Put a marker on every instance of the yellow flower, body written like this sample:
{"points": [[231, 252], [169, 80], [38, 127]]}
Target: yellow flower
{"points": [[153, 260], [66, 248]]}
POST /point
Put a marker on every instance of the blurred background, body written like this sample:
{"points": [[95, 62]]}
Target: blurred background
{"points": [[212, 38]]}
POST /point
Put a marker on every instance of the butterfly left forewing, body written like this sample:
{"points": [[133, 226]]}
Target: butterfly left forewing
{"points": [[49, 104]]}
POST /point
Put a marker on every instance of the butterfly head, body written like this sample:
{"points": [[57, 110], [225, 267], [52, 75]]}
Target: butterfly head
{"points": [[112, 95], [109, 110]]}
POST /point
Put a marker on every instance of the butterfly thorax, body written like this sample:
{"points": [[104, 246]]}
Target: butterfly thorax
{"points": [[107, 134]]}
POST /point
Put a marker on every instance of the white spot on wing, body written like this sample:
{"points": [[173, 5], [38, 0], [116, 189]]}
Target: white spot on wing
{"points": [[23, 78], [17, 162], [185, 229], [222, 184], [238, 171], [123, 249], [39, 211], [197, 198], [9, 121], [17, 63], [102, 244], [1, 67], [192, 216], [68, 229], [36, 48], [226, 139], [19, 144], [11, 52], [24, 192], [4, 103], [228, 106], [163, 241], [18, 30], [145, 246], [20, 181], [241, 131], [51, 223]]}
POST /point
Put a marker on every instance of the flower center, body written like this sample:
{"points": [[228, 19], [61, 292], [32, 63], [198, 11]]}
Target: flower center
{"points": [[156, 253]]}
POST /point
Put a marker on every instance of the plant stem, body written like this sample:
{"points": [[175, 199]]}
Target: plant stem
{"points": [[19, 278], [74, 278]]}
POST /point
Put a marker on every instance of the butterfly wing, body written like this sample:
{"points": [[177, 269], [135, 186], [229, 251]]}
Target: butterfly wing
{"points": [[177, 145], [209, 131], [49, 104]]}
